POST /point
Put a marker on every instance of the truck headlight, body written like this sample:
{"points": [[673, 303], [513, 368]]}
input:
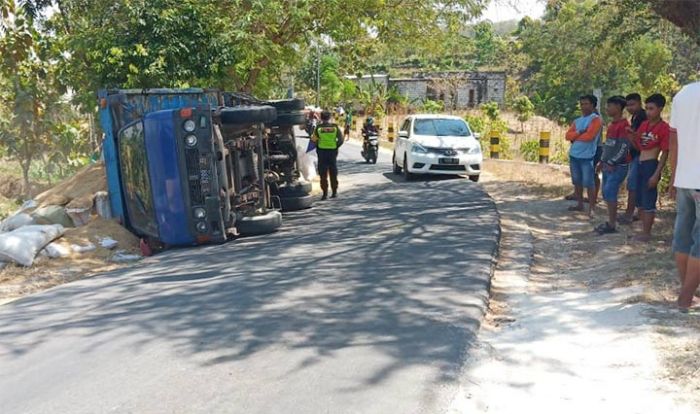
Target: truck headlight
{"points": [[189, 125], [418, 149], [191, 141], [200, 213], [201, 227]]}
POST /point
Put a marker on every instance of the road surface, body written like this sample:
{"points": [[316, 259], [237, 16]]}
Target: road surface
{"points": [[364, 304]]}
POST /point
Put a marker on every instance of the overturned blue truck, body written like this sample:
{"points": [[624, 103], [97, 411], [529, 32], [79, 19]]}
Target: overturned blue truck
{"points": [[194, 166]]}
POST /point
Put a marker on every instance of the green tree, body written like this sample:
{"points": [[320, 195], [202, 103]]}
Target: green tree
{"points": [[525, 110]]}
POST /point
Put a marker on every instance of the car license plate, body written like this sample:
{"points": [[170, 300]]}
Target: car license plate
{"points": [[449, 161]]}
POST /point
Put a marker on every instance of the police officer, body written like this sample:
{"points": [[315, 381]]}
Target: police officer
{"points": [[328, 138]]}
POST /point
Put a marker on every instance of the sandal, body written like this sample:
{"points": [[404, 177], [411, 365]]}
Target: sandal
{"points": [[605, 228]]}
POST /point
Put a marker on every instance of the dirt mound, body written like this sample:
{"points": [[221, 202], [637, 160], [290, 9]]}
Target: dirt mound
{"points": [[77, 191], [96, 230]]}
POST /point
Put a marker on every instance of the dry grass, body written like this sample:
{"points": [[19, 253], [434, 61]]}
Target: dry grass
{"points": [[599, 263]]}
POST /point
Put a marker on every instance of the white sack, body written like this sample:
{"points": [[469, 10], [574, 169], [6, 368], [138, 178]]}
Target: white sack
{"points": [[16, 221], [23, 244]]}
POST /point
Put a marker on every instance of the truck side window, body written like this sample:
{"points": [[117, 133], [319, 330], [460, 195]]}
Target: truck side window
{"points": [[136, 181]]}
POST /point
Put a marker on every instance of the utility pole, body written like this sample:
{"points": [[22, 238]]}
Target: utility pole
{"points": [[318, 76]]}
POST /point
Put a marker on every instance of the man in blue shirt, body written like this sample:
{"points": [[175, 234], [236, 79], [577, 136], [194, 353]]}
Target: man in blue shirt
{"points": [[584, 135]]}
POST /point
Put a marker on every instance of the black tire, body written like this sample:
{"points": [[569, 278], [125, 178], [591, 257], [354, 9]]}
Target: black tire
{"points": [[297, 189], [296, 203], [262, 224], [395, 166], [248, 115], [289, 118], [474, 178], [406, 174], [374, 159], [286, 105]]}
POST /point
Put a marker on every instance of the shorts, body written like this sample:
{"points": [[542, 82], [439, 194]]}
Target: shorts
{"points": [[582, 172], [632, 175], [686, 235], [646, 197], [612, 181]]}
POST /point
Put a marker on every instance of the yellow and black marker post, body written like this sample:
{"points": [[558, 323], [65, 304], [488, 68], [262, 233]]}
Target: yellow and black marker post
{"points": [[390, 133], [495, 144], [544, 146]]}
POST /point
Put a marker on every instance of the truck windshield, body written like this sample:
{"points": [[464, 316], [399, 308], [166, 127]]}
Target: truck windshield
{"points": [[441, 127], [136, 182]]}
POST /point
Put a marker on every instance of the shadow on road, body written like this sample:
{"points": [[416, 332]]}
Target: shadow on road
{"points": [[402, 272]]}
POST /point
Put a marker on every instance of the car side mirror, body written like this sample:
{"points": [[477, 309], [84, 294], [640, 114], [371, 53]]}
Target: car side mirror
{"points": [[403, 134], [476, 135]]}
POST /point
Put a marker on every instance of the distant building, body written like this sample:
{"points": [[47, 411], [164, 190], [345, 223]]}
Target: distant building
{"points": [[457, 90]]}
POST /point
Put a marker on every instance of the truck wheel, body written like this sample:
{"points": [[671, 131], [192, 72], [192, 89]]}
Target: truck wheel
{"points": [[262, 224], [289, 118], [247, 115], [296, 203], [298, 189], [285, 105]]}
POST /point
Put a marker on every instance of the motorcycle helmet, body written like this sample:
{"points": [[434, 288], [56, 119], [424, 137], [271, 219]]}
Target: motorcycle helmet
{"points": [[370, 120]]}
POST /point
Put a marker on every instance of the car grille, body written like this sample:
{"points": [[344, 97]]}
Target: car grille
{"points": [[443, 167], [449, 152]]}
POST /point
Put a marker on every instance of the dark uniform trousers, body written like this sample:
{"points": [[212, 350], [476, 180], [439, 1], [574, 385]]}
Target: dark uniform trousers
{"points": [[328, 165]]}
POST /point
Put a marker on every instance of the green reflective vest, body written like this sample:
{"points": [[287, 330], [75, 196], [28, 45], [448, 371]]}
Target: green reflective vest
{"points": [[327, 137]]}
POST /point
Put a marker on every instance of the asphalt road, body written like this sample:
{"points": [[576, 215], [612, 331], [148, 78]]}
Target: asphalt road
{"points": [[364, 304]]}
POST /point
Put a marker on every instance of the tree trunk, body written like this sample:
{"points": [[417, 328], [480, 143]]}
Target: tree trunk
{"points": [[683, 13], [26, 186]]}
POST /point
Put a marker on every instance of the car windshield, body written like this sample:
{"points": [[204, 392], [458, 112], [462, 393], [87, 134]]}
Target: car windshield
{"points": [[441, 127]]}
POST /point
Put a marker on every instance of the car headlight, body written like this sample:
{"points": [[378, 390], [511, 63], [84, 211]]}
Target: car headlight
{"points": [[475, 150], [201, 227], [191, 141], [200, 213], [418, 149], [189, 125]]}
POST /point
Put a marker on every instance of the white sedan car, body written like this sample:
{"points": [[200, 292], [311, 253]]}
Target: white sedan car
{"points": [[437, 144]]}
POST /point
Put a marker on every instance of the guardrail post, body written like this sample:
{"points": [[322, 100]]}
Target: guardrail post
{"points": [[391, 134], [495, 139], [544, 146]]}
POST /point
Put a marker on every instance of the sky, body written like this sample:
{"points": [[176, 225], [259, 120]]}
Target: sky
{"points": [[501, 10]]}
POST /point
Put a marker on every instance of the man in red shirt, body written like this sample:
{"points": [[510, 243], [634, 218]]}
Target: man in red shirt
{"points": [[614, 160], [652, 140]]}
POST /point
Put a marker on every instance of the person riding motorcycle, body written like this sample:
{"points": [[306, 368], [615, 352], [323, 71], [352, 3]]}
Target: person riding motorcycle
{"points": [[368, 128]]}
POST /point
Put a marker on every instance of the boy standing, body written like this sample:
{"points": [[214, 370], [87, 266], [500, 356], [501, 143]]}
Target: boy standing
{"points": [[652, 140], [614, 161], [639, 115], [584, 136]]}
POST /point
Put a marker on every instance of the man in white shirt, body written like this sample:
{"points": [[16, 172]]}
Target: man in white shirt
{"points": [[685, 170]]}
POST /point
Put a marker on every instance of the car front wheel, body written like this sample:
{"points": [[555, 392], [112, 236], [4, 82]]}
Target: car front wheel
{"points": [[395, 162], [406, 174], [474, 178]]}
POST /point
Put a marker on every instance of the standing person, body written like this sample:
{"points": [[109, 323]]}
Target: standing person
{"points": [[685, 176], [652, 140], [639, 115], [348, 123], [614, 160], [584, 136], [328, 139]]}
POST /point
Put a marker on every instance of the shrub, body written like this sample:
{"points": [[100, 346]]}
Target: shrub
{"points": [[530, 150]]}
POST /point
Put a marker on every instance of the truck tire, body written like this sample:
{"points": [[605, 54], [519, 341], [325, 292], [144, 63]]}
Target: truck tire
{"points": [[289, 118], [286, 105], [248, 115], [257, 225], [298, 189], [296, 203]]}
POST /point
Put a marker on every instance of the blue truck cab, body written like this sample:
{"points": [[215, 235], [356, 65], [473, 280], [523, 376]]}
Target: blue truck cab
{"points": [[182, 169]]}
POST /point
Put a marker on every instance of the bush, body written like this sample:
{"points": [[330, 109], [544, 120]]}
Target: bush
{"points": [[530, 150], [491, 111], [432, 107], [476, 123]]}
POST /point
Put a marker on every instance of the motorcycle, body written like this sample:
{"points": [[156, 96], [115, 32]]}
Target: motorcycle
{"points": [[370, 148]]}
